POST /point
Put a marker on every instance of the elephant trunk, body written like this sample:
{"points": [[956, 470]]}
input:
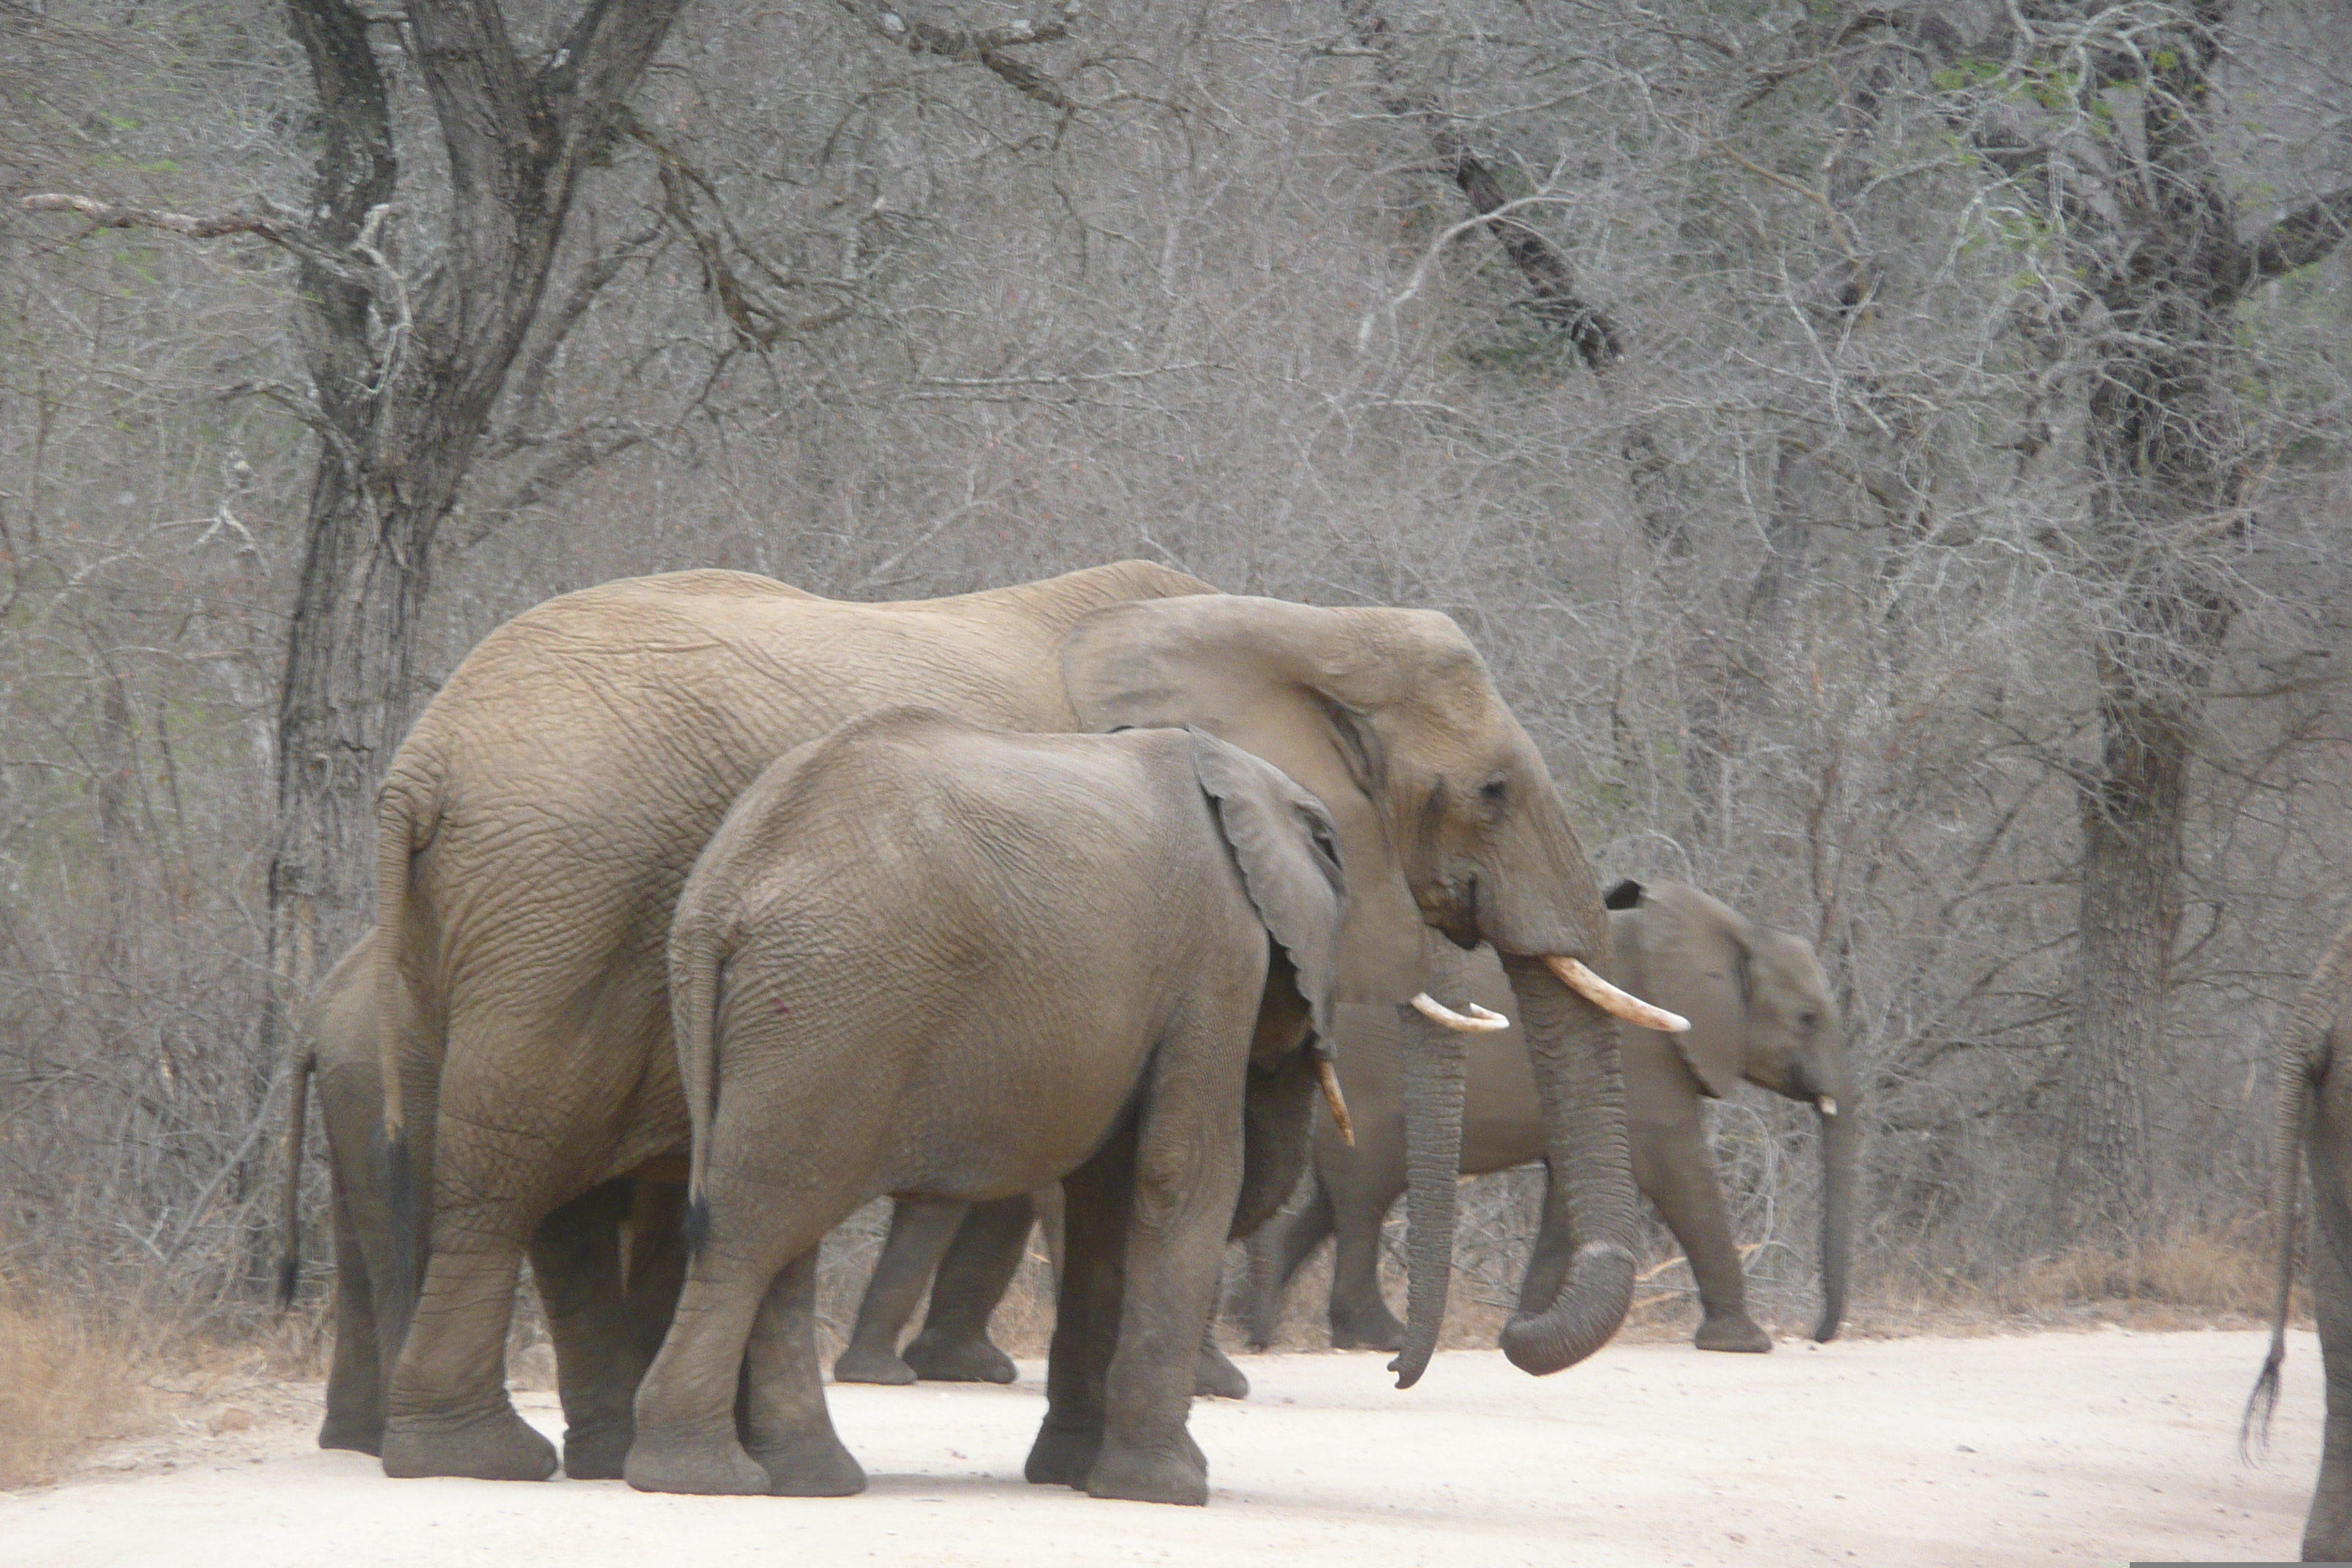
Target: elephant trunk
{"points": [[1841, 1142], [1435, 1079], [1580, 1082]]}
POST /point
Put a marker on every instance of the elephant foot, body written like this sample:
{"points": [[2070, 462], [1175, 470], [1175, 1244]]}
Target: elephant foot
{"points": [[1177, 1474], [1063, 1455], [1367, 1334], [1731, 1330], [1214, 1376], [697, 1464], [501, 1448], [357, 1434], [872, 1363], [597, 1453], [940, 1359], [813, 1466]]}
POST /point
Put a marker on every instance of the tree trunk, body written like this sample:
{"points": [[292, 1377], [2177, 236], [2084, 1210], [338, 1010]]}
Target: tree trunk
{"points": [[403, 382], [2164, 447]]}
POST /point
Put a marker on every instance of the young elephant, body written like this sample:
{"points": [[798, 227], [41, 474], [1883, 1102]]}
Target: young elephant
{"points": [[1759, 1009], [930, 959]]}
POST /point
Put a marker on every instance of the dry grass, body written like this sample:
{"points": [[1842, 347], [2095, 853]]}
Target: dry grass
{"points": [[69, 1378]]}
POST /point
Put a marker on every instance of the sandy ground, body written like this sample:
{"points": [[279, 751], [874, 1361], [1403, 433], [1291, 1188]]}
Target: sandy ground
{"points": [[2085, 1448]]}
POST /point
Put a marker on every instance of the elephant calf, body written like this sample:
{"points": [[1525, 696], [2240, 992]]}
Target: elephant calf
{"points": [[929, 959]]}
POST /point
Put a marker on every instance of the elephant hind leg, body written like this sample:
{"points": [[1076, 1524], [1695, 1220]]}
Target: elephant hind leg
{"points": [[450, 1411], [698, 1399], [575, 1256], [920, 1230], [1214, 1375], [785, 1426], [981, 1262], [355, 1419]]}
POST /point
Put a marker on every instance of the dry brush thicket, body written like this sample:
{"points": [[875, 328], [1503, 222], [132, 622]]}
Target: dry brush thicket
{"points": [[1768, 449]]}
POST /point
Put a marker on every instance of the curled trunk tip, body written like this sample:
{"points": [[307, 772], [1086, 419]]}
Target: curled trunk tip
{"points": [[1580, 1320]]}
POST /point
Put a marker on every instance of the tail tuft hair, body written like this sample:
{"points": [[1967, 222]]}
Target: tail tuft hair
{"points": [[2254, 1430], [695, 1230], [395, 1177]]}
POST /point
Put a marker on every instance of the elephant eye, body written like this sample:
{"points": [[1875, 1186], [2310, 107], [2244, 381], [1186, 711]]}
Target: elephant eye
{"points": [[1495, 794], [1809, 1020], [1326, 842]]}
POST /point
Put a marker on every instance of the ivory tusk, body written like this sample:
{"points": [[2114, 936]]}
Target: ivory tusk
{"points": [[1827, 1102], [1609, 999], [1479, 1021], [1328, 1078]]}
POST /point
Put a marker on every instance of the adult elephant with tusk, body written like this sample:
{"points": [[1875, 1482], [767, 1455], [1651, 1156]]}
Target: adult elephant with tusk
{"points": [[537, 824], [1760, 1012]]}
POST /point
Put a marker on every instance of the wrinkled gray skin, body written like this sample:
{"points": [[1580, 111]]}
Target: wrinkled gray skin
{"points": [[928, 958], [2313, 1061], [596, 1300], [975, 1249], [538, 821], [1759, 1009]]}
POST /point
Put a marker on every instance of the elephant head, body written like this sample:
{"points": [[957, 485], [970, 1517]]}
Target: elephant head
{"points": [[1446, 818], [1759, 1009]]}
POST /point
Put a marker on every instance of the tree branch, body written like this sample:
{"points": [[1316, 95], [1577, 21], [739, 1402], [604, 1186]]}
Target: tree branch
{"points": [[1547, 272], [276, 228], [985, 45]]}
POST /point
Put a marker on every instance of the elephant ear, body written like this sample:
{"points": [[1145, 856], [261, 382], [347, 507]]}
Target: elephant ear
{"points": [[1288, 852], [1693, 956], [1287, 683]]}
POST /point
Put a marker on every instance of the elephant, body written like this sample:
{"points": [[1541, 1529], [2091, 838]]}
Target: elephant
{"points": [[536, 824], [1759, 1009], [930, 957], [2313, 1057], [580, 1275]]}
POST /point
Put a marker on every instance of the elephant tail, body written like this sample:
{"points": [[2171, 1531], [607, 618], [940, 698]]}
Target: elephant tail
{"points": [[2295, 1071], [305, 1059], [693, 960], [401, 829]]}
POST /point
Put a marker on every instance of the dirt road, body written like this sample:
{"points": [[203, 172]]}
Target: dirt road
{"points": [[2096, 1447]]}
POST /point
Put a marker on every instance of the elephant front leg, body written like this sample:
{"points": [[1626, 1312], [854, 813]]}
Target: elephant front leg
{"points": [[786, 1428], [1359, 1313], [1187, 1175], [981, 1262], [920, 1230], [1276, 1253], [1672, 1165], [575, 1256], [1085, 1320]]}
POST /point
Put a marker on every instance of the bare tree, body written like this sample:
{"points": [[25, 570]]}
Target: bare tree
{"points": [[404, 370], [2142, 241]]}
